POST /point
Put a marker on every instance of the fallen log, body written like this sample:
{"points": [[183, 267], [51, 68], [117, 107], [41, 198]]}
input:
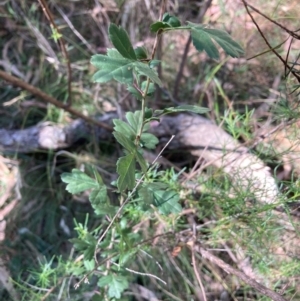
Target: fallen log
{"points": [[204, 138], [194, 133], [52, 136]]}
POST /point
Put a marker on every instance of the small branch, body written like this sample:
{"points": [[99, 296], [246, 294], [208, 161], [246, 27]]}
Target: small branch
{"points": [[162, 9], [186, 49], [227, 268], [144, 94], [265, 39], [76, 32], [197, 273], [182, 64], [49, 99], [290, 32], [146, 274], [128, 199], [53, 26]]}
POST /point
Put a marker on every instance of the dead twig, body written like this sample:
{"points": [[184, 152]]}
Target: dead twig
{"points": [[61, 42], [49, 99], [240, 275], [191, 245], [186, 50], [291, 33]]}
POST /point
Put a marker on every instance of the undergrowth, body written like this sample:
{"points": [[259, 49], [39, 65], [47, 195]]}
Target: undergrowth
{"points": [[132, 231]]}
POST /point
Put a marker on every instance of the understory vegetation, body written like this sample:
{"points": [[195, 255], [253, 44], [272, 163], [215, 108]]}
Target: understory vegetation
{"points": [[149, 150]]}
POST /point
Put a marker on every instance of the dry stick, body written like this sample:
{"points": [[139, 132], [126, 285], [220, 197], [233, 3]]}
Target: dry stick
{"points": [[295, 63], [197, 273], [267, 51], [128, 199], [76, 32], [290, 32], [146, 274], [50, 291], [191, 245], [158, 34], [186, 50], [49, 99], [85, 277], [287, 56], [227, 268], [265, 39], [50, 18], [182, 64]]}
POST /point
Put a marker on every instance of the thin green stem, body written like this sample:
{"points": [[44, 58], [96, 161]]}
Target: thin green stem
{"points": [[145, 92], [142, 123], [176, 28]]}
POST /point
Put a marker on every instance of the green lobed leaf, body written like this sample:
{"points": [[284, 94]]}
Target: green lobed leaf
{"points": [[141, 53], [78, 181], [144, 69], [167, 201], [97, 176], [154, 63], [168, 21], [77, 270], [171, 20], [156, 26], [142, 162], [89, 264], [134, 119], [120, 40], [124, 128], [202, 40], [128, 255], [79, 244], [166, 17], [230, 46], [87, 245], [134, 92], [119, 69], [105, 280], [98, 198], [137, 93], [114, 53], [107, 209], [121, 75], [151, 88], [148, 113], [125, 141], [126, 171], [148, 140], [116, 284]]}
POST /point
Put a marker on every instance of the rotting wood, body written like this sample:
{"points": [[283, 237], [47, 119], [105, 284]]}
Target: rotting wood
{"points": [[214, 145]]}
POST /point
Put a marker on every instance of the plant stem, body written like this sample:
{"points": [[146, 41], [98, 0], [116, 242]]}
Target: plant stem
{"points": [[140, 131], [144, 95]]}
